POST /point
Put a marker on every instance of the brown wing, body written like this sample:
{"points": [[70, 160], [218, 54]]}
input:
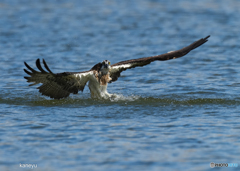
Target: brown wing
{"points": [[117, 68], [58, 85]]}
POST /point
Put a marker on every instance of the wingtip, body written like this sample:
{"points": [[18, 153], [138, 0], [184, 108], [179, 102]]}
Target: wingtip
{"points": [[26, 77], [46, 66], [29, 73], [37, 61], [25, 63], [38, 64], [30, 68], [206, 38], [200, 42]]}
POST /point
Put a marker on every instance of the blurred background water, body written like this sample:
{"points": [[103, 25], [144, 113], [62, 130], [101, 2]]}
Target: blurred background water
{"points": [[175, 115]]}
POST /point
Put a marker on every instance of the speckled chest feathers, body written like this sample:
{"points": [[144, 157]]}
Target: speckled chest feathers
{"points": [[102, 78]]}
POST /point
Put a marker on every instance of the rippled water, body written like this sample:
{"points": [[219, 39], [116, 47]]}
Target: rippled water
{"points": [[180, 114]]}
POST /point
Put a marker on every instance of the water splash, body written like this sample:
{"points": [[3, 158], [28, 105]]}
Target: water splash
{"points": [[120, 97]]}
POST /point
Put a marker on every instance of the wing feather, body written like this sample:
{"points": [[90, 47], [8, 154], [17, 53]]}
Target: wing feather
{"points": [[57, 85], [46, 66], [40, 67], [117, 68], [34, 71]]}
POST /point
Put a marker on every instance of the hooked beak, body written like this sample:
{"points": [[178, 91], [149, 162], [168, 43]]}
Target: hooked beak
{"points": [[107, 65]]}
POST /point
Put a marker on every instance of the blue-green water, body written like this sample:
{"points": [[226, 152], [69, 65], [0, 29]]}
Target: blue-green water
{"points": [[180, 114]]}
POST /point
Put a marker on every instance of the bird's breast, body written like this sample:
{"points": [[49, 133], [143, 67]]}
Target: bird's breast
{"points": [[104, 80]]}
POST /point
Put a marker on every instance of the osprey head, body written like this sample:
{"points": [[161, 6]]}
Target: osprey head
{"points": [[103, 67], [106, 65]]}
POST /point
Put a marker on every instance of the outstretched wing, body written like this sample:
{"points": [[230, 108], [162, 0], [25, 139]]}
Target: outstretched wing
{"points": [[58, 85], [124, 65]]}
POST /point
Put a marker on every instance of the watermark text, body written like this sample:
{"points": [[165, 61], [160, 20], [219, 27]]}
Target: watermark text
{"points": [[212, 165], [32, 166]]}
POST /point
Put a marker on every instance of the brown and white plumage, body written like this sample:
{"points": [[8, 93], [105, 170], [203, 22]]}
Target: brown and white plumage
{"points": [[60, 85]]}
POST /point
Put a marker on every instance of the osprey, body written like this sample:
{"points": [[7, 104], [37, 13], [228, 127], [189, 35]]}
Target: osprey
{"points": [[60, 85]]}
